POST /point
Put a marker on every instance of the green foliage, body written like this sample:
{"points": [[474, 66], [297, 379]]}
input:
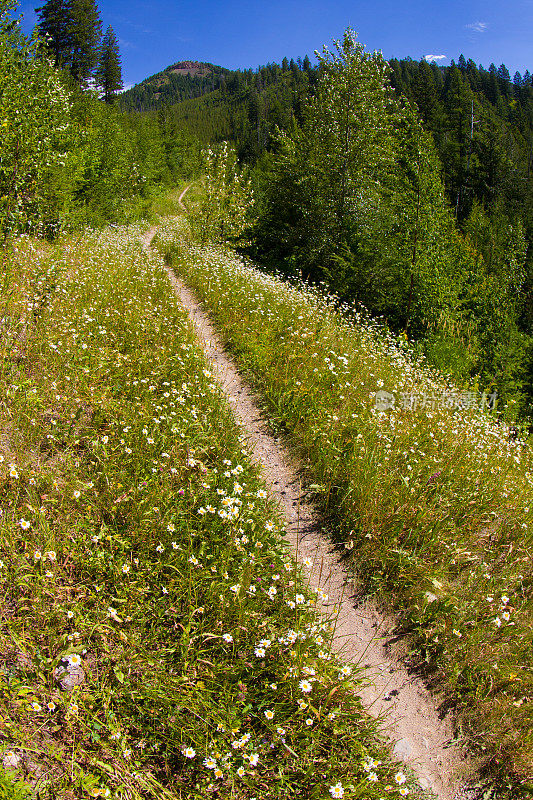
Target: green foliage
{"points": [[35, 125], [223, 212], [13, 789], [71, 31], [327, 181], [109, 72]]}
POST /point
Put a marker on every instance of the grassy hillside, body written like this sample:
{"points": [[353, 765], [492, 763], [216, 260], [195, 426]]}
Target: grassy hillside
{"points": [[433, 500], [156, 639]]}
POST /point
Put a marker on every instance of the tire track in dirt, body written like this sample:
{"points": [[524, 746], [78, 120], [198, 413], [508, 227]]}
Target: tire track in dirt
{"points": [[408, 712]]}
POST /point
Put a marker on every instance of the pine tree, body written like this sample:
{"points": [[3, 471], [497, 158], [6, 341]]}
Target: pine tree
{"points": [[425, 95], [109, 72], [72, 30], [55, 26], [86, 35], [503, 73]]}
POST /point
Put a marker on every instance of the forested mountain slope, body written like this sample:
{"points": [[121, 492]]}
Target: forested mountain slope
{"points": [[481, 121], [176, 83], [480, 124]]}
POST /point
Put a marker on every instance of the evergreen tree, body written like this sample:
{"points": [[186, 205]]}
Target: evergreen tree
{"points": [[55, 26], [503, 73], [425, 95], [73, 30], [109, 72], [86, 35]]}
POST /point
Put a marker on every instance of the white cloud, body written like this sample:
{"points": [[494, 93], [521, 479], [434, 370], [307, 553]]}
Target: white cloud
{"points": [[478, 27], [431, 57], [126, 87]]}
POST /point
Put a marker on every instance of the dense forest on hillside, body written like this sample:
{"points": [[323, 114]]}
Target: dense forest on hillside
{"points": [[480, 119], [482, 122], [470, 131], [244, 107], [181, 81], [458, 150]]}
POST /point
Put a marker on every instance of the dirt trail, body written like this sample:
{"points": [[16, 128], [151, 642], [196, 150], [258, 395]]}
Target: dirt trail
{"points": [[407, 710], [180, 199]]}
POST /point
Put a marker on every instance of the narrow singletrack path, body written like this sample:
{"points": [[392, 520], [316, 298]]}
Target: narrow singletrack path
{"points": [[408, 712], [180, 198]]}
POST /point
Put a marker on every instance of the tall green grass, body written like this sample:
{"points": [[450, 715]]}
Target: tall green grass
{"points": [[433, 503], [156, 639]]}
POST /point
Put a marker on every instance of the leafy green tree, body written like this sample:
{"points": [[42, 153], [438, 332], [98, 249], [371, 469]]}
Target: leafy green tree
{"points": [[224, 211], [109, 72], [35, 124], [330, 169]]}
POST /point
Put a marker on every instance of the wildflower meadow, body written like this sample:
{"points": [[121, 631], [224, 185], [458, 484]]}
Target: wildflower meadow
{"points": [[157, 640], [431, 501]]}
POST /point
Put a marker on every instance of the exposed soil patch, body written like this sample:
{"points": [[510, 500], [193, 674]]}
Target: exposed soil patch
{"points": [[408, 712]]}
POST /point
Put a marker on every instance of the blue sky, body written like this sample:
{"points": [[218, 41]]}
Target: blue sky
{"points": [[240, 34]]}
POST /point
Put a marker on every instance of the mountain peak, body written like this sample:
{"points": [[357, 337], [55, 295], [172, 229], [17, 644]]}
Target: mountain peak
{"points": [[189, 68]]}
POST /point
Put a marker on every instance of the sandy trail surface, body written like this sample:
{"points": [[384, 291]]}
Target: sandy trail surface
{"points": [[407, 710]]}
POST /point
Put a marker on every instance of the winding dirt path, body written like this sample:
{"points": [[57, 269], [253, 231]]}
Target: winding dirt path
{"points": [[407, 711], [180, 200]]}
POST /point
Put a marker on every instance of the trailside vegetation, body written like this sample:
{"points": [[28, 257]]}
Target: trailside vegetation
{"points": [[430, 497], [157, 638], [66, 158], [224, 208], [353, 198]]}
